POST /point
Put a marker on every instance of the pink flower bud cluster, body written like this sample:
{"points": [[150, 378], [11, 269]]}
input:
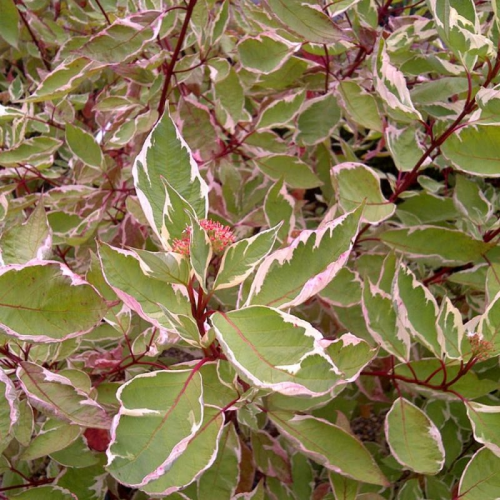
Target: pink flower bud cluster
{"points": [[220, 237], [481, 349]]}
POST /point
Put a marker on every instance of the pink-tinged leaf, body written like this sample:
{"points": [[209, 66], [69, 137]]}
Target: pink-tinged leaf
{"points": [[46, 302], [9, 412], [55, 395], [283, 281], [160, 412], [145, 295], [124, 39], [329, 445], [276, 351], [199, 456]]}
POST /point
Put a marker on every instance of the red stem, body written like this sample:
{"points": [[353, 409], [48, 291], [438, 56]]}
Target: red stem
{"points": [[170, 69]]}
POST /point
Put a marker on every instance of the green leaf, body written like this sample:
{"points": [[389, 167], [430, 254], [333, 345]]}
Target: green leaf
{"points": [[84, 146], [279, 209], [282, 280], [88, 483], [360, 105], [485, 420], [270, 457], [124, 39], [47, 303], [30, 240], [199, 455], [414, 440], [55, 436], [292, 170], [200, 253], [405, 146], [169, 267], [350, 355], [241, 258], [481, 477], [305, 20], [9, 22], [317, 119], [343, 488], [231, 96], [344, 290], [221, 479], [55, 395], [329, 445], [475, 149], [470, 200], [275, 350], [77, 455], [150, 432], [263, 53], [45, 493], [447, 246], [25, 423], [355, 184], [165, 154]]}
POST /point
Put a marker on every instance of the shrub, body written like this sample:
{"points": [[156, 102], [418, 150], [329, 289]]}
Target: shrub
{"points": [[249, 249]]}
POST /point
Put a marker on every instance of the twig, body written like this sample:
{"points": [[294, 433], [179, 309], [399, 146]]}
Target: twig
{"points": [[170, 69]]}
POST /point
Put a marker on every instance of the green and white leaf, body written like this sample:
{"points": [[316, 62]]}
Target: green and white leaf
{"points": [[282, 280], [329, 445], [360, 105], [31, 240], [145, 295], [149, 433], [166, 155], [294, 172], [355, 184], [265, 53], [475, 149], [485, 420], [241, 258], [317, 120], [200, 253], [417, 310], [481, 477], [199, 456], [451, 329], [414, 440], [276, 351], [169, 267], [439, 244], [47, 302], [383, 323], [306, 20], [55, 395], [391, 86]]}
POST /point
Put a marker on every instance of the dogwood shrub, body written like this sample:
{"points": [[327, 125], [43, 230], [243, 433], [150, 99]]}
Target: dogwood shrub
{"points": [[249, 249]]}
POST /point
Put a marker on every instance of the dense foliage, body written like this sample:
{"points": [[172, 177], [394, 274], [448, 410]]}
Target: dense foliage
{"points": [[249, 249]]}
